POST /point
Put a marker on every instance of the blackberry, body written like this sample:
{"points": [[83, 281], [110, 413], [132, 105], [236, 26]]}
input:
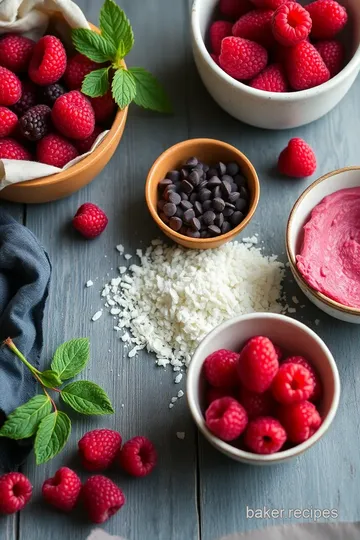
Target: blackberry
{"points": [[34, 125], [49, 94], [28, 99]]}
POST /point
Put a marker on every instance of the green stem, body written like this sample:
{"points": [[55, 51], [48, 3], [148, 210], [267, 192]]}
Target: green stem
{"points": [[9, 343]]}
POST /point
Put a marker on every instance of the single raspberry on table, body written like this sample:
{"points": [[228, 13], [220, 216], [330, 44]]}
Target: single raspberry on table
{"points": [[98, 448], [62, 490], [241, 58], [35, 123], [226, 418], [55, 150], [233, 9], [15, 492], [12, 149], [138, 456], [102, 498], [28, 98], [10, 87], [291, 24], [265, 435], [258, 364], [77, 68], [256, 404], [90, 220], [305, 68], [50, 93], [270, 4], [212, 393], [104, 107], [328, 18], [256, 26], [86, 144], [48, 61], [301, 361], [8, 121], [73, 115], [297, 160], [15, 52], [333, 54], [220, 368], [271, 79], [218, 31], [301, 420], [292, 383]]}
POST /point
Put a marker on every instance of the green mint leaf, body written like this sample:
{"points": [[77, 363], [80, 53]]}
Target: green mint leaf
{"points": [[123, 88], [149, 92], [86, 397], [96, 83], [93, 45], [51, 437], [50, 378], [115, 27], [23, 422], [71, 358]]}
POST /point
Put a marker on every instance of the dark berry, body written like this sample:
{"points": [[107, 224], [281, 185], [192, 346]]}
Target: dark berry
{"points": [[28, 98], [49, 94], [34, 125]]}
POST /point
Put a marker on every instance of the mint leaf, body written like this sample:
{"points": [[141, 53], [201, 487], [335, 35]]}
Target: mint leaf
{"points": [[50, 378], [115, 27], [96, 83], [149, 92], [22, 423], [93, 45], [87, 397], [51, 437], [71, 358], [123, 88]]}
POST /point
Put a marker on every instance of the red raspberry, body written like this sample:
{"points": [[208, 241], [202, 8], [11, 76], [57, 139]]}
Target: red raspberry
{"points": [[279, 351], [215, 57], [28, 98], [104, 107], [8, 121], [234, 8], [218, 31], [292, 383], [11, 149], [333, 54], [90, 220], [297, 159], [301, 361], [305, 67], [15, 52], [328, 18], [48, 61], [270, 4], [86, 144], [55, 150], [77, 68], [301, 420], [271, 79], [291, 24], [220, 368], [98, 449], [241, 58], [73, 115], [138, 456], [10, 87], [255, 26], [15, 492], [62, 490], [212, 394], [102, 498], [258, 364], [256, 404], [226, 418], [265, 435]]}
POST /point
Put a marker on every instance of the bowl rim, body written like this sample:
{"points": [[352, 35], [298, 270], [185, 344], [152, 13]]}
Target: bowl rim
{"points": [[204, 241], [291, 252], [242, 455], [350, 67]]}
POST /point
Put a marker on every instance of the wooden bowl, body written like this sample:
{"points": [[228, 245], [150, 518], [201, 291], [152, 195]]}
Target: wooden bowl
{"points": [[209, 151]]}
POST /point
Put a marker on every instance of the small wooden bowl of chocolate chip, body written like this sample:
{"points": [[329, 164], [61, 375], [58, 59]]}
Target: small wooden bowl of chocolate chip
{"points": [[202, 193]]}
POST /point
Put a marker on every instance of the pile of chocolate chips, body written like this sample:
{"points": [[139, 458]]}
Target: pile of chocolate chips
{"points": [[202, 201]]}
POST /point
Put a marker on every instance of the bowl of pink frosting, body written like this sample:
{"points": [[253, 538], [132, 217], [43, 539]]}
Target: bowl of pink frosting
{"points": [[323, 243]]}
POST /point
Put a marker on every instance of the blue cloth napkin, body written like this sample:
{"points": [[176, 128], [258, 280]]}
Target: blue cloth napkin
{"points": [[24, 281]]}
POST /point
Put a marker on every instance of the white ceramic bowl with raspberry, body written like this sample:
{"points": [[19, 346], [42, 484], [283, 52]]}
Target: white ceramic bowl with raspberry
{"points": [[273, 110], [295, 339]]}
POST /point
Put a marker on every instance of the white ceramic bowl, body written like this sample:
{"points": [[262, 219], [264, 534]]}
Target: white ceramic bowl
{"points": [[341, 179], [290, 335], [269, 109]]}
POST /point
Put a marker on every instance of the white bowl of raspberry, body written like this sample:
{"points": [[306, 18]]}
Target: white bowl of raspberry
{"points": [[257, 70], [263, 388]]}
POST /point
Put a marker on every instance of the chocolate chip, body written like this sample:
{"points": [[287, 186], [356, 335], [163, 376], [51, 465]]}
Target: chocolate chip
{"points": [[179, 212], [225, 227], [207, 205], [211, 172], [228, 212], [203, 184], [184, 196], [174, 198], [189, 215], [221, 168], [163, 218], [226, 188], [217, 192], [164, 183], [195, 224], [204, 195], [240, 204], [199, 170], [198, 208], [186, 186], [160, 204], [236, 218], [213, 182], [184, 173], [205, 167], [209, 217], [218, 204], [219, 220], [244, 194], [183, 230], [174, 176], [205, 234], [234, 187], [192, 233], [214, 230], [192, 162], [229, 205], [175, 223], [232, 168], [194, 178], [227, 178], [193, 198], [233, 197], [240, 180], [169, 209], [185, 205]]}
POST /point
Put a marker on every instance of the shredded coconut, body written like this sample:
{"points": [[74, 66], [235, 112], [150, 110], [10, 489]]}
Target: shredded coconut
{"points": [[180, 435], [89, 283], [97, 315], [120, 249]]}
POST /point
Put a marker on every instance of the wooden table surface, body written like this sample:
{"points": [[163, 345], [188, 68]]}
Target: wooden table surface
{"points": [[195, 492]]}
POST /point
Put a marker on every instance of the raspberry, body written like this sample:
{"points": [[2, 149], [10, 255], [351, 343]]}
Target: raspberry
{"points": [[270, 4], [256, 404], [234, 8], [48, 61], [212, 394], [28, 98], [138, 456], [35, 123], [328, 18], [104, 107], [98, 448], [15, 52], [305, 67], [258, 364], [215, 57], [10, 87], [271, 79], [55, 150], [102, 498], [8, 121], [297, 159], [301, 361], [49, 94], [90, 220], [86, 144], [279, 351], [11, 149], [255, 26], [301, 420], [291, 24], [73, 115], [292, 383], [77, 68], [265, 435], [218, 31], [241, 58], [62, 490], [226, 418], [220, 368], [333, 54], [15, 492]]}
